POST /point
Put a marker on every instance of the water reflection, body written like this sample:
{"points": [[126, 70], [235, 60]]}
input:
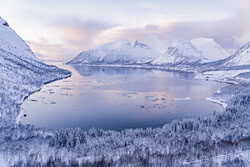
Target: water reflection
{"points": [[119, 98], [94, 70]]}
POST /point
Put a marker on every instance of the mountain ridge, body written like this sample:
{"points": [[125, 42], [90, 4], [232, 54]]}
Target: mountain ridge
{"points": [[194, 52], [21, 73], [118, 52]]}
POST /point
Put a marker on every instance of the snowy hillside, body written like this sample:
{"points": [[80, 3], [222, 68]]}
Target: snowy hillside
{"points": [[119, 52], [238, 60], [182, 53], [210, 49], [197, 51], [233, 69], [240, 57], [12, 43], [20, 73]]}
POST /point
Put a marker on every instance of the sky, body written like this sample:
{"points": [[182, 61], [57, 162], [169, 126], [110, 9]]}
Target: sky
{"points": [[61, 29]]}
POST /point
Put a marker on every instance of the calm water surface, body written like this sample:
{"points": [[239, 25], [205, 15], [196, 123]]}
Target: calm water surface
{"points": [[119, 98]]}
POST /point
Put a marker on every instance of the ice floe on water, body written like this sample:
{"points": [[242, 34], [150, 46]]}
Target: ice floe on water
{"points": [[66, 88], [66, 94], [67, 81], [181, 99], [132, 94], [33, 100], [151, 98]]}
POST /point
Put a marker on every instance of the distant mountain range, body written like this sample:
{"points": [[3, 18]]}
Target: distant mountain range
{"points": [[198, 51]]}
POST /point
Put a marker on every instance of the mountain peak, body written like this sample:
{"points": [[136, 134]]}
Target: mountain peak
{"points": [[117, 52], [246, 46], [202, 40], [243, 48], [210, 49], [139, 44], [181, 54], [11, 42], [199, 50], [3, 22], [115, 44], [240, 57]]}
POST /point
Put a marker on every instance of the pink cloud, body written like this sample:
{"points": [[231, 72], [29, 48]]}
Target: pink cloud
{"points": [[81, 34], [78, 35]]}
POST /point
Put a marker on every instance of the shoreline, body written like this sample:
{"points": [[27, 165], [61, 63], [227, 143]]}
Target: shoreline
{"points": [[224, 105], [121, 66], [134, 139], [20, 114], [149, 67]]}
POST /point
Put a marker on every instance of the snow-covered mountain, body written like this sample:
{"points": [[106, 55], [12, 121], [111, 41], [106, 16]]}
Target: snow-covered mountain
{"points": [[21, 73], [239, 60], [119, 52], [196, 51], [240, 57], [182, 53], [12, 43], [210, 49]]}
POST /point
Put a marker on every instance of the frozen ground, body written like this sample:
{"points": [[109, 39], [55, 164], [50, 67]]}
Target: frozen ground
{"points": [[220, 140]]}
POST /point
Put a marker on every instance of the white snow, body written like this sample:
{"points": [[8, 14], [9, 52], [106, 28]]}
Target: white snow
{"points": [[226, 73], [151, 98], [181, 99], [194, 52], [219, 101], [197, 51], [211, 50], [222, 75], [12, 43], [21, 73], [184, 53], [118, 52], [189, 140], [240, 57]]}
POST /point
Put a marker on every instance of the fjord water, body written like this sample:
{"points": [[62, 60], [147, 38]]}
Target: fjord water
{"points": [[119, 98]]}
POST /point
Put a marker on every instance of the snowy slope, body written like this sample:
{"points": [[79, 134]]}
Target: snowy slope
{"points": [[240, 60], [210, 49], [119, 52], [21, 73], [197, 51], [183, 53], [240, 57], [11, 42], [233, 69]]}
